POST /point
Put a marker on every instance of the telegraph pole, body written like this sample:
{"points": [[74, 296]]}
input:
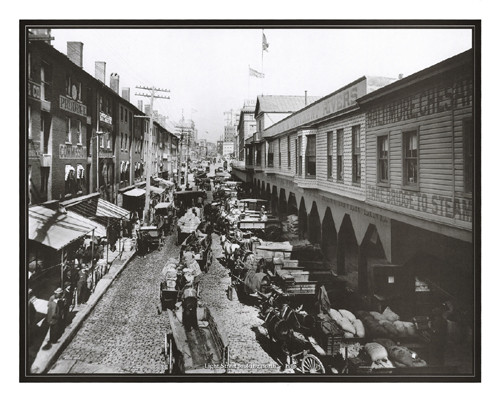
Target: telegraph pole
{"points": [[152, 95]]}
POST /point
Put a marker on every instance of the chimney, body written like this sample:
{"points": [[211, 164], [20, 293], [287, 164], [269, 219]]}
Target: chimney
{"points": [[126, 94], [114, 82], [147, 110], [400, 76], [100, 71], [305, 97], [75, 52], [139, 105]]}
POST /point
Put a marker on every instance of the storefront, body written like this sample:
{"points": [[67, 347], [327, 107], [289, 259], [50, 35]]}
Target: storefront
{"points": [[420, 158]]}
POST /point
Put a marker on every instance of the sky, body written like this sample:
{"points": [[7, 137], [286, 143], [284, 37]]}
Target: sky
{"points": [[207, 70]]}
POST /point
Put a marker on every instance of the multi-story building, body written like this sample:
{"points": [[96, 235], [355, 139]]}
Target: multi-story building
{"points": [[246, 127], [380, 174], [82, 135]]}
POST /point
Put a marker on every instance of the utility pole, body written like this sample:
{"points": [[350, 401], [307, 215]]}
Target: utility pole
{"points": [[152, 95]]}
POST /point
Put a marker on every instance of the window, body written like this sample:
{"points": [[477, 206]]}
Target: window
{"points": [[258, 156], [121, 113], [288, 152], [108, 137], [126, 142], [46, 80], [340, 154], [126, 115], [410, 158], [69, 180], [30, 74], [80, 178], [329, 153], [270, 154], [30, 135], [356, 154], [468, 138], [68, 85], [79, 131], [101, 140], [298, 156], [383, 159], [68, 131], [121, 141], [311, 156], [279, 152]]}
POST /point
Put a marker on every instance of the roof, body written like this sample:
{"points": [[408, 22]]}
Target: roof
{"points": [[282, 103], [108, 209], [57, 229], [440, 68], [135, 192], [85, 205]]}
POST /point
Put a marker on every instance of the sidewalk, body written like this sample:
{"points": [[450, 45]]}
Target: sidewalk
{"points": [[46, 357]]}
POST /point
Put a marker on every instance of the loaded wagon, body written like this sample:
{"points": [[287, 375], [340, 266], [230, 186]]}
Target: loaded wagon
{"points": [[200, 350]]}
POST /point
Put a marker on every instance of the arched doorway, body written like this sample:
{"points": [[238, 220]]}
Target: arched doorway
{"points": [[274, 201], [282, 205], [302, 220], [371, 249], [291, 207], [314, 225], [347, 252], [258, 190], [267, 194], [329, 237]]}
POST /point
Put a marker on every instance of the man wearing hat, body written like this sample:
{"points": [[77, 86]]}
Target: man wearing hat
{"points": [[55, 315]]}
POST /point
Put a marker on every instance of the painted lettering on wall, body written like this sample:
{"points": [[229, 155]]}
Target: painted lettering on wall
{"points": [[72, 106], [34, 90], [356, 209], [460, 208], [430, 101], [72, 152]]}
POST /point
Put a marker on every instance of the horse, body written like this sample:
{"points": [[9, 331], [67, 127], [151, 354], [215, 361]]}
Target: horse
{"points": [[228, 248]]}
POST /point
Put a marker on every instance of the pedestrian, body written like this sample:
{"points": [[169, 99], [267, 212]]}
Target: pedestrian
{"points": [[438, 336], [32, 324], [81, 286], [55, 315], [67, 299]]}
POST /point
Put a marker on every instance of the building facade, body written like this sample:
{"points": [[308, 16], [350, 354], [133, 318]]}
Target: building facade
{"points": [[82, 135], [380, 174]]}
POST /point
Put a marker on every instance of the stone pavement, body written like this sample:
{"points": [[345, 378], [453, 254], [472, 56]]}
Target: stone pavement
{"points": [[125, 331], [46, 356], [248, 343]]}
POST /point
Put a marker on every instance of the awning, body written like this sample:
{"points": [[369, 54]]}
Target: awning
{"points": [[135, 192], [108, 209], [56, 229]]}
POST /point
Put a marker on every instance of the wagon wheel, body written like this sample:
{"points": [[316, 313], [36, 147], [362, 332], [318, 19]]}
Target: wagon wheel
{"points": [[169, 353], [312, 365]]}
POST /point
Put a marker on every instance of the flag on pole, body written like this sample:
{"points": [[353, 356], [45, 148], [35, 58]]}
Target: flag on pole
{"points": [[255, 73], [265, 44]]}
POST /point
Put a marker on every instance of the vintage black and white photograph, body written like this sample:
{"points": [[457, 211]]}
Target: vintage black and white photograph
{"points": [[220, 200]]}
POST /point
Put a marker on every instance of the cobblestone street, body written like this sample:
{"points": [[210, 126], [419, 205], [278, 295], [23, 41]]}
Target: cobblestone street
{"points": [[124, 333], [239, 321]]}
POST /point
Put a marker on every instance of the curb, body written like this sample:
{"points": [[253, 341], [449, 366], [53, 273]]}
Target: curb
{"points": [[45, 358]]}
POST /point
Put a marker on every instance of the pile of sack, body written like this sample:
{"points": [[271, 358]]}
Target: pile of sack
{"points": [[385, 353], [169, 273], [352, 326], [293, 224], [386, 324]]}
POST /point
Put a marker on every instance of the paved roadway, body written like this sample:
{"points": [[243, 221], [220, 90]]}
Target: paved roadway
{"points": [[124, 333]]}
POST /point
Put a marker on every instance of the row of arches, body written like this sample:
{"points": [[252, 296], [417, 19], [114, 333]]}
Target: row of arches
{"points": [[340, 248]]}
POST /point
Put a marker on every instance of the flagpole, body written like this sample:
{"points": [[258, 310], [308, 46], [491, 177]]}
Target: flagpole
{"points": [[262, 63]]}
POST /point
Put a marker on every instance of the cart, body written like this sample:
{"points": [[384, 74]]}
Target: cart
{"points": [[149, 237], [204, 350]]}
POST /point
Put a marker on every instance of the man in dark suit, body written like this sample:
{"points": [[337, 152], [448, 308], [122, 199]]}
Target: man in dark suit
{"points": [[55, 315]]}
